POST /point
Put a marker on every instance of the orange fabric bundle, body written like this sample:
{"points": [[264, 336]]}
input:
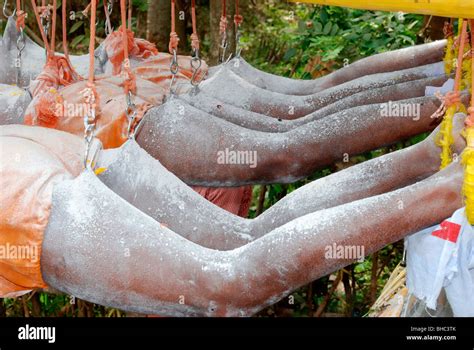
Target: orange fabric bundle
{"points": [[33, 159], [65, 109], [137, 48], [56, 72]]}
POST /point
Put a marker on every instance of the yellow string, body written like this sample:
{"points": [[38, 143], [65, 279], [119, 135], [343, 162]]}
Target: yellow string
{"points": [[468, 185], [449, 56], [445, 137], [468, 154]]}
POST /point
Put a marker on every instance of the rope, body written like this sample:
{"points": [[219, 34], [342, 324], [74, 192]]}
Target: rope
{"points": [[223, 21], [130, 4], [238, 19], [64, 25], [194, 35], [20, 16], [53, 30], [42, 32], [223, 32], [129, 79], [174, 38], [90, 92]]}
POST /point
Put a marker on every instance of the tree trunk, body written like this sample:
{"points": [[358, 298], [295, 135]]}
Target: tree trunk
{"points": [[159, 23], [433, 27]]}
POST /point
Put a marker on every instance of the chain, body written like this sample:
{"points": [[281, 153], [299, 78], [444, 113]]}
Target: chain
{"points": [[238, 48], [108, 25], [223, 48], [174, 68], [5, 5], [196, 64], [20, 45], [131, 113], [89, 121]]}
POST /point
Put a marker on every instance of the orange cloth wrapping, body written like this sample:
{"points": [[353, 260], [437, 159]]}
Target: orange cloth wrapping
{"points": [[235, 200], [137, 48], [64, 110], [32, 161]]}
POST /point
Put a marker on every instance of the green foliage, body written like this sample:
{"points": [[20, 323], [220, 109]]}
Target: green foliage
{"points": [[285, 38]]}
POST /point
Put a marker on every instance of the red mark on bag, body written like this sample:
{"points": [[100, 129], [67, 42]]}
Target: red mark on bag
{"points": [[448, 231]]}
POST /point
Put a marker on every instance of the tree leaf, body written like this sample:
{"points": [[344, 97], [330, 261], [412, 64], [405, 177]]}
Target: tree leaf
{"points": [[75, 26], [77, 40], [327, 28]]}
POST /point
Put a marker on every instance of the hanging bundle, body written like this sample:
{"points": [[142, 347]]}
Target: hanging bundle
{"points": [[452, 102], [468, 154]]}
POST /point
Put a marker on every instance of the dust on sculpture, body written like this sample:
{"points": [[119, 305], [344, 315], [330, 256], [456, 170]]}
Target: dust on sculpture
{"points": [[213, 282], [145, 267]]}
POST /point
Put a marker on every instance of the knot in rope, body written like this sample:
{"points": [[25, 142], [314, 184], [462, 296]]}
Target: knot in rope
{"points": [[90, 94], [195, 41], [45, 11], [129, 82], [238, 19], [174, 41], [223, 25], [452, 98], [20, 19]]}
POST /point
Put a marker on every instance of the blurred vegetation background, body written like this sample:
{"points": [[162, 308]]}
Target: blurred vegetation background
{"points": [[294, 40]]}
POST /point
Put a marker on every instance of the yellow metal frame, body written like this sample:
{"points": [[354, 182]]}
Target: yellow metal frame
{"points": [[444, 8]]}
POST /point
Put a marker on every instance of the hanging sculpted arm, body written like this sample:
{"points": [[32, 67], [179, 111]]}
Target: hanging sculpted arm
{"points": [[100, 248], [256, 121], [179, 208], [230, 155], [230, 88], [384, 62]]}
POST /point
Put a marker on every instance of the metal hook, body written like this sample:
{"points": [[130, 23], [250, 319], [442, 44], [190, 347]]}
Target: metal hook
{"points": [[20, 45], [21, 42], [5, 14], [131, 113], [89, 127], [223, 48], [196, 64], [108, 27], [238, 49], [174, 68]]}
